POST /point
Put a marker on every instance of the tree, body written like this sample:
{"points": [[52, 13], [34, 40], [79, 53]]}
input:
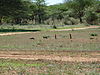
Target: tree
{"points": [[12, 8], [92, 14], [39, 10], [21, 16], [56, 12], [78, 7]]}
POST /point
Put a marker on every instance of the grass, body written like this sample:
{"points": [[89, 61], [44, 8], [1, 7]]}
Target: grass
{"points": [[80, 41], [33, 28], [18, 28], [72, 26], [3, 64], [49, 68]]}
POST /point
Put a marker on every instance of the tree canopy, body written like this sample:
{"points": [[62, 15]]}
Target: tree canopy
{"points": [[38, 12]]}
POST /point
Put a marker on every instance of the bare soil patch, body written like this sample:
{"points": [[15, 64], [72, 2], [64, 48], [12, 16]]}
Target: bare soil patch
{"points": [[54, 56], [13, 33]]}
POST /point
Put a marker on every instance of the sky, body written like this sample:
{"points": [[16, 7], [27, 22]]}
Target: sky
{"points": [[52, 2]]}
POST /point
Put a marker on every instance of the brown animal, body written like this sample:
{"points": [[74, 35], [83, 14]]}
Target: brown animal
{"points": [[32, 38], [46, 37], [91, 38]]}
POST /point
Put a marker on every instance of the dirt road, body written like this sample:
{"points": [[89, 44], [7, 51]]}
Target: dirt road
{"points": [[14, 33], [77, 28], [31, 55]]}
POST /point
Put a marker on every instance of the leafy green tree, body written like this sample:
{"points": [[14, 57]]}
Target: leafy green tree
{"points": [[23, 11], [57, 12], [12, 8], [21, 16], [91, 17], [78, 7], [92, 14], [38, 9]]}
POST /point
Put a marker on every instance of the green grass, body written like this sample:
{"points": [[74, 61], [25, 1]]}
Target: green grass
{"points": [[18, 63], [72, 26], [3, 64], [81, 41], [49, 68], [33, 28]]}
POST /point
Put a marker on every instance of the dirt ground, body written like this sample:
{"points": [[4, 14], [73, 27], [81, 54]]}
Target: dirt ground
{"points": [[67, 56], [14, 33], [89, 27]]}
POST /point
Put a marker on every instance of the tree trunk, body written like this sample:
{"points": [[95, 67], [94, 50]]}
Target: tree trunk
{"points": [[17, 21], [1, 20], [81, 21], [36, 19], [39, 19]]}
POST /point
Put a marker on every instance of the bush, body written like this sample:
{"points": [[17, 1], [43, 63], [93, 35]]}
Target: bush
{"points": [[55, 27], [71, 21], [93, 34], [91, 16]]}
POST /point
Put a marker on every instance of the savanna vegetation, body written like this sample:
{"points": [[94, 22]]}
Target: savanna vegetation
{"points": [[80, 40], [43, 67], [70, 12], [52, 51]]}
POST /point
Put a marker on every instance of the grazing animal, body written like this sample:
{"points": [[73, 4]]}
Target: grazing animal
{"points": [[46, 37], [91, 38], [32, 38], [72, 29]]}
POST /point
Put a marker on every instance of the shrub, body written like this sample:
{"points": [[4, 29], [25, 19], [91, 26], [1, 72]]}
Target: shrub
{"points": [[94, 34], [55, 27], [46, 37]]}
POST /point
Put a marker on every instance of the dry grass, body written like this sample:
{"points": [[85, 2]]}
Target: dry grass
{"points": [[81, 40], [49, 68]]}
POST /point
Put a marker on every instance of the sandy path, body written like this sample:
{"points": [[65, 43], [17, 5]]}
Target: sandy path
{"points": [[14, 33], [29, 56], [77, 28], [56, 58]]}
